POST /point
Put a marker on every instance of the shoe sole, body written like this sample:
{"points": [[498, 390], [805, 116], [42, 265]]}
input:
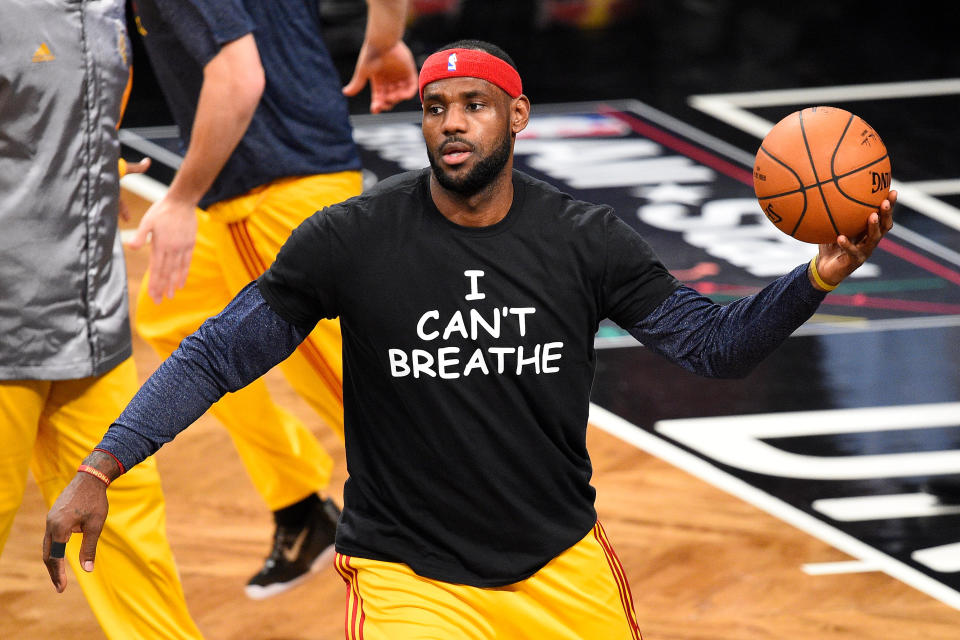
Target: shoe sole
{"points": [[256, 592]]}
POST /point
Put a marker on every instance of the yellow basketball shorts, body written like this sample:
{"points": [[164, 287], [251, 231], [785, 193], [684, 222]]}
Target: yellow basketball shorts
{"points": [[582, 594]]}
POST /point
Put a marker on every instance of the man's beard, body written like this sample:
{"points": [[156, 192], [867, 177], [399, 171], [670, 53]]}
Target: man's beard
{"points": [[477, 178]]}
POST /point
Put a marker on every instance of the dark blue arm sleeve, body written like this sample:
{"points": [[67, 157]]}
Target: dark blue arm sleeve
{"points": [[228, 352], [728, 341]]}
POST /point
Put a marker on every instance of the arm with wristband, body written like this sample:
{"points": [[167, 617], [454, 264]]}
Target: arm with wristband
{"points": [[728, 341], [835, 261], [226, 353]]}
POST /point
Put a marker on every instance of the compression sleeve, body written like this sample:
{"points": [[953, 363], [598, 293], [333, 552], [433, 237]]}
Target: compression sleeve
{"points": [[228, 352], [728, 341]]}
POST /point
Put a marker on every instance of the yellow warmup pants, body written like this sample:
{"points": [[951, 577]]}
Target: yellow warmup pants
{"points": [[582, 593], [236, 241], [50, 427]]}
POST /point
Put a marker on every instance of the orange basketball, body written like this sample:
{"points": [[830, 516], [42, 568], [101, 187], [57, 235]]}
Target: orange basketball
{"points": [[820, 173]]}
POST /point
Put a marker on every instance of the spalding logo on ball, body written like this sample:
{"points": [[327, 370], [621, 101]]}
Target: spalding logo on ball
{"points": [[820, 173]]}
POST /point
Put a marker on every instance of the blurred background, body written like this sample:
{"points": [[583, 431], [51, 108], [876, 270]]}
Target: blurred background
{"points": [[662, 51], [657, 51]]}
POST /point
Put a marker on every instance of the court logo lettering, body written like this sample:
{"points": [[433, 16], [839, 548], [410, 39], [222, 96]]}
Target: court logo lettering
{"points": [[811, 461]]}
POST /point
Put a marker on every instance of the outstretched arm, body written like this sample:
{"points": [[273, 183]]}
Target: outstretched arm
{"points": [[226, 353], [384, 60], [729, 341]]}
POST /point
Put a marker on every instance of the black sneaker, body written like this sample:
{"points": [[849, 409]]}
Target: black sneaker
{"points": [[297, 553]]}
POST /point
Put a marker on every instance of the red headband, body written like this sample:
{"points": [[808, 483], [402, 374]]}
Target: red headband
{"points": [[470, 63]]}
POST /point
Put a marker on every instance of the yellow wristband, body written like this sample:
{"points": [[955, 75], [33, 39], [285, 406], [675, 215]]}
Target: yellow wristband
{"points": [[816, 277], [123, 167]]}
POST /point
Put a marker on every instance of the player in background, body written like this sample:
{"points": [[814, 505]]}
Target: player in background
{"points": [[267, 140], [65, 350], [470, 295]]}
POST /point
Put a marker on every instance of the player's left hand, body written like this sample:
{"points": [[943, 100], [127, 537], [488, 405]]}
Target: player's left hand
{"points": [[392, 75], [838, 260], [80, 508]]}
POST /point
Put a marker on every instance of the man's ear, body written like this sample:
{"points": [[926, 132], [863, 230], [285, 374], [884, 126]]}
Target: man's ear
{"points": [[519, 114]]}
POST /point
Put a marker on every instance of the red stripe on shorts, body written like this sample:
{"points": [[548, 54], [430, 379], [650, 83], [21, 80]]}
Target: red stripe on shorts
{"points": [[245, 247], [255, 266], [623, 586], [352, 624]]}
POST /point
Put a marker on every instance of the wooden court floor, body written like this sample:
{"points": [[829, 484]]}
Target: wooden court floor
{"points": [[703, 565]]}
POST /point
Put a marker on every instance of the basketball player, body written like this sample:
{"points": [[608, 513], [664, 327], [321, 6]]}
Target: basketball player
{"points": [[268, 142], [469, 296], [65, 365]]}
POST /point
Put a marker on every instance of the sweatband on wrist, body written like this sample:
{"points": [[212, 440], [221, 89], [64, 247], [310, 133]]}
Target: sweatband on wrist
{"points": [[115, 459], [470, 63], [816, 277], [96, 473]]}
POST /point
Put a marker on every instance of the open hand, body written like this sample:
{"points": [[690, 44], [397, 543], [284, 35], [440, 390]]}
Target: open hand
{"points": [[392, 75], [838, 260], [171, 228]]}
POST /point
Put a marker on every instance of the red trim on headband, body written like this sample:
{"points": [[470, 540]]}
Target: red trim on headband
{"points": [[470, 63]]}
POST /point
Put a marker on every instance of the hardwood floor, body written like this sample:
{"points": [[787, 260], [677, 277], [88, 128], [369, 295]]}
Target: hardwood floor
{"points": [[702, 564]]}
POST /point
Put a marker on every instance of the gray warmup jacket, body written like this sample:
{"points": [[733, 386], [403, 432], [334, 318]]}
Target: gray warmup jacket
{"points": [[63, 290]]}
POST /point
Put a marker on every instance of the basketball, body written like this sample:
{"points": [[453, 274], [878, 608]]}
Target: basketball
{"points": [[820, 173]]}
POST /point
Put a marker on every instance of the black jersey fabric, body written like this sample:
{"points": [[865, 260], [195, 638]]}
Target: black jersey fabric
{"points": [[468, 360]]}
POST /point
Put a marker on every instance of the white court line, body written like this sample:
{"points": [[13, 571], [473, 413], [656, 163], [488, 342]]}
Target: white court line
{"points": [[135, 138], [872, 91], [740, 441], [144, 186], [883, 507], [835, 568], [149, 133], [926, 204], [147, 188], [945, 558], [926, 244], [937, 187], [702, 469]]}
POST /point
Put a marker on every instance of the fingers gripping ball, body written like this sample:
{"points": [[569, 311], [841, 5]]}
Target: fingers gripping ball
{"points": [[820, 173]]}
